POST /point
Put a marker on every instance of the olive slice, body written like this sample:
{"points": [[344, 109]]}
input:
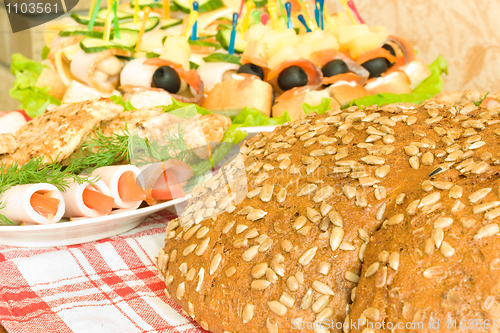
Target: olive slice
{"points": [[292, 77], [376, 66], [252, 69], [167, 78], [334, 67]]}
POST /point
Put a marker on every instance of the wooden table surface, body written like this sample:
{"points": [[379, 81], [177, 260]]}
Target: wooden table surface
{"points": [[2, 330]]}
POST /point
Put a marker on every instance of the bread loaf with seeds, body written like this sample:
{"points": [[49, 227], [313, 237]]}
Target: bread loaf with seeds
{"points": [[279, 238]]}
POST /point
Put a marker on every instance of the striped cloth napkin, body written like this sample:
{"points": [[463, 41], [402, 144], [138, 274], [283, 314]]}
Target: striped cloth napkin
{"points": [[111, 285]]}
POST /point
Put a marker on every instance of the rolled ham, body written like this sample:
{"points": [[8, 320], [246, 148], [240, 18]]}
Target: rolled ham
{"points": [[84, 68], [136, 73], [73, 197], [157, 177], [212, 73], [314, 74], [110, 175], [18, 206]]}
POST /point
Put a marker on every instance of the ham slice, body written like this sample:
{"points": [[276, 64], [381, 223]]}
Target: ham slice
{"points": [[18, 206], [110, 175], [73, 197], [84, 65], [136, 73], [212, 73], [357, 72]]}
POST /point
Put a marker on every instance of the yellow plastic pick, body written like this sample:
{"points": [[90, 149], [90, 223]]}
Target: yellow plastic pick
{"points": [[166, 9], [348, 10], [92, 5], [107, 23], [330, 22], [136, 11], [145, 18], [309, 15], [193, 16], [273, 14], [249, 6]]}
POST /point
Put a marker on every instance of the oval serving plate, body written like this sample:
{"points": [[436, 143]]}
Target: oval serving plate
{"points": [[80, 230]]}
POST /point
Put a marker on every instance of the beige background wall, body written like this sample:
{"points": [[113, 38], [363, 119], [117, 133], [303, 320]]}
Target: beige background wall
{"points": [[465, 32]]}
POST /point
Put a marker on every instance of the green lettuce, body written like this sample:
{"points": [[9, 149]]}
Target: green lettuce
{"points": [[127, 106], [430, 87], [252, 117], [319, 109], [34, 100], [178, 105]]}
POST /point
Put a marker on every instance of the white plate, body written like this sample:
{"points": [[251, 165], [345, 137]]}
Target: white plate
{"points": [[81, 230]]}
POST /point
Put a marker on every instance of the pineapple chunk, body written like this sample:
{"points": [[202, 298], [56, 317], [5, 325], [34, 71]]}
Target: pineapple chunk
{"points": [[286, 53], [367, 42], [70, 51], [348, 32]]}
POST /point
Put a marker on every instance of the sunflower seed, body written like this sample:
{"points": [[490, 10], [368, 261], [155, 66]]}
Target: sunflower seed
{"points": [[307, 189], [379, 215], [429, 246], [256, 214], [381, 277], [492, 214], [443, 222], [368, 181], [265, 245], [249, 254], [259, 270], [411, 150], [383, 256], [323, 193], [279, 308], [313, 166], [336, 218], [321, 303], [324, 208], [373, 138], [313, 215], [214, 264], [190, 233], [307, 300], [479, 195], [447, 250], [267, 193], [189, 249], [349, 191], [350, 276], [322, 288], [252, 233], [248, 312], [487, 231], [373, 160], [306, 258], [382, 171], [181, 290], [396, 219], [202, 247], [372, 269], [436, 271], [271, 276], [414, 162], [292, 283], [336, 238], [430, 199], [260, 284], [481, 208], [438, 236], [480, 168], [287, 300]]}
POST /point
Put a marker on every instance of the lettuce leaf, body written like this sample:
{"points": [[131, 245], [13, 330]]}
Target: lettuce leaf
{"points": [[430, 87], [34, 100], [252, 117], [127, 106], [178, 105], [319, 109]]}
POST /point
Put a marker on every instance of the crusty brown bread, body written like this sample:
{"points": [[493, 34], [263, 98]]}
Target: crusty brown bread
{"points": [[284, 232]]}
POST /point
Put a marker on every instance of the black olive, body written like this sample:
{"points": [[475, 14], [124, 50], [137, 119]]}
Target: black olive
{"points": [[166, 77], [252, 69], [292, 77], [376, 66], [389, 48], [334, 67]]}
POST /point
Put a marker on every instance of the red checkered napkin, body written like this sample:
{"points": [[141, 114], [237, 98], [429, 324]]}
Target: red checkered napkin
{"points": [[107, 286]]}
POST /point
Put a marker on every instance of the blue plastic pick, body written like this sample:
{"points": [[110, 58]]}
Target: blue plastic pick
{"points": [[303, 21], [321, 15], [194, 32], [233, 34], [288, 8], [317, 13]]}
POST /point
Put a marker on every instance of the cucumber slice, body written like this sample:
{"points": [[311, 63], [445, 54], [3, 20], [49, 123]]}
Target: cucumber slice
{"points": [[223, 57], [151, 23], [169, 23], [121, 15], [82, 19], [81, 31], [224, 38], [204, 5], [128, 38], [153, 5], [260, 3], [94, 45]]}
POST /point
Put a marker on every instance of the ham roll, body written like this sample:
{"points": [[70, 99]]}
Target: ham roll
{"points": [[165, 180], [212, 73], [136, 73], [99, 70], [86, 200], [123, 185], [33, 204]]}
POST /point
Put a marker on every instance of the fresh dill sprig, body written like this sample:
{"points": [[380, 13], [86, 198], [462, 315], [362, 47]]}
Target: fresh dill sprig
{"points": [[478, 103], [100, 151]]}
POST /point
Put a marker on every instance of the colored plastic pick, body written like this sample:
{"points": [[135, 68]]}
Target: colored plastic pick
{"points": [[94, 14], [303, 21], [264, 18], [233, 34], [116, 27], [346, 8], [288, 8], [351, 5], [91, 9], [245, 22], [241, 7], [308, 15], [256, 16], [193, 16], [194, 33], [107, 23], [321, 15], [147, 11], [273, 13], [136, 11], [166, 9]]}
